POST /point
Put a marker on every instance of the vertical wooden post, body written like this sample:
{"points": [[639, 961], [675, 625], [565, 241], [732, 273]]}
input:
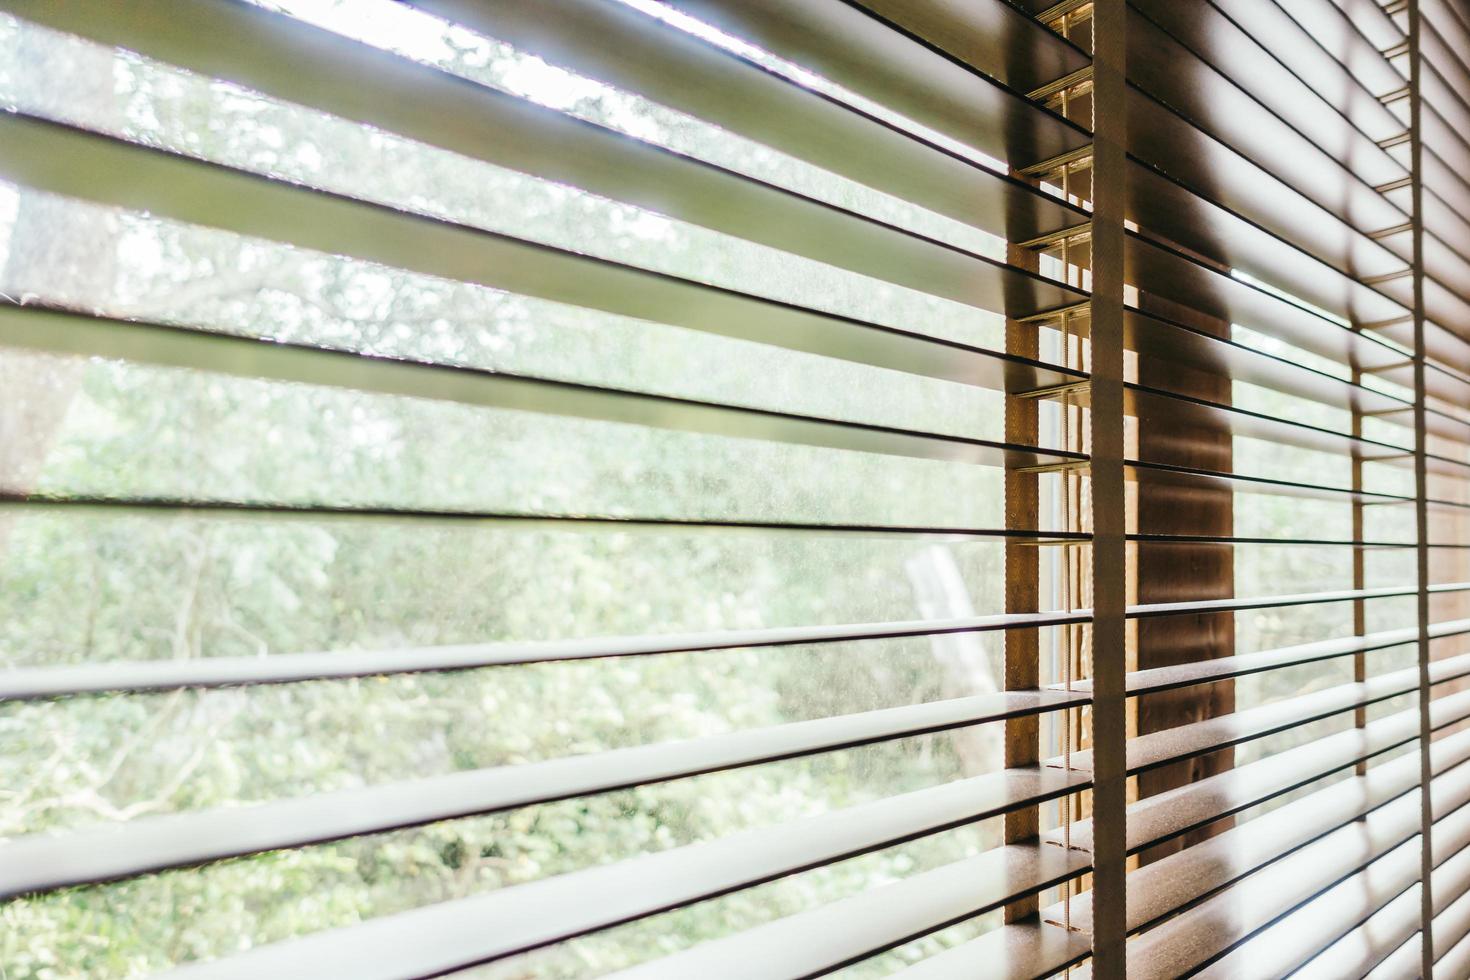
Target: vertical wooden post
{"points": [[1022, 584], [1109, 524], [1360, 611], [1022, 510], [1184, 572], [1421, 508]]}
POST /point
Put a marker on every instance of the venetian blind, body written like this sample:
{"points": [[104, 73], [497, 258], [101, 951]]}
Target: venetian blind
{"points": [[736, 487]]}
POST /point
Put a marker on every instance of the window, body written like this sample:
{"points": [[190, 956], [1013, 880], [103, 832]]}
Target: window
{"points": [[762, 488]]}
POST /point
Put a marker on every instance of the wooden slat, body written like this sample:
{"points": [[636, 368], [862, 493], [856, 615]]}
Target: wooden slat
{"points": [[43, 862], [835, 935], [469, 931]]}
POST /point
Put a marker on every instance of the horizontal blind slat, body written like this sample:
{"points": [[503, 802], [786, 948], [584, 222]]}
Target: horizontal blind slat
{"points": [[452, 934], [993, 37], [1249, 49], [46, 862], [1173, 211], [1022, 951], [1366, 947], [1341, 25], [1197, 804], [277, 511], [1320, 924], [284, 58], [1154, 336], [1339, 831], [1456, 961], [1212, 734], [1317, 43], [1452, 921], [60, 159], [64, 332], [1156, 679], [1333, 218], [869, 48], [1168, 71], [284, 668], [1401, 962], [1166, 474], [831, 936], [1172, 275], [1324, 920], [140, 676], [1149, 404], [627, 49]]}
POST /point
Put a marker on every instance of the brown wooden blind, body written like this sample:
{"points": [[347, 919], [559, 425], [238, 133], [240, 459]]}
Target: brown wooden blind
{"points": [[1229, 268]]}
